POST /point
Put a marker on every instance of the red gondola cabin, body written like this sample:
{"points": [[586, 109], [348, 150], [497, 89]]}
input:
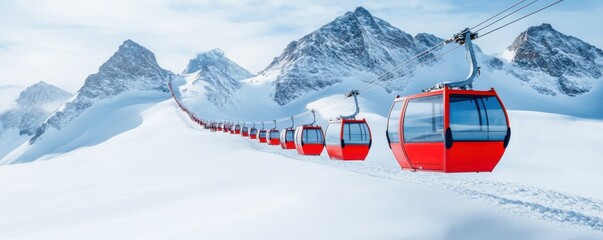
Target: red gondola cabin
{"points": [[253, 133], [449, 127], [262, 136], [287, 138], [449, 130], [245, 131], [309, 140], [237, 129], [273, 137], [348, 139]]}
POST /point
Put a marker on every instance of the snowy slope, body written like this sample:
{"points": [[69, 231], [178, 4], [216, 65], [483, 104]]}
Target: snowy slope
{"points": [[117, 115], [166, 179]]}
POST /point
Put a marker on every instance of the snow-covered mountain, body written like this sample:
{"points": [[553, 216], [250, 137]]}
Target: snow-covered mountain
{"points": [[132, 67], [555, 63], [34, 105], [355, 42], [219, 76]]}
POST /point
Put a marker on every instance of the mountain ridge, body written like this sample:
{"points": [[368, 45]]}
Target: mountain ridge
{"points": [[132, 67], [219, 76], [571, 65], [34, 105], [354, 42]]}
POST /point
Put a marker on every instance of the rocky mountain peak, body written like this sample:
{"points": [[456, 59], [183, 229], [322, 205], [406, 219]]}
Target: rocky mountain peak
{"points": [[216, 53], [360, 11], [220, 76], [34, 105], [130, 58], [205, 59], [571, 63], [129, 44], [544, 26], [428, 40], [361, 14], [40, 94], [354, 42]]}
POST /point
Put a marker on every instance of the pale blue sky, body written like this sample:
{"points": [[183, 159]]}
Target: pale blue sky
{"points": [[63, 41]]}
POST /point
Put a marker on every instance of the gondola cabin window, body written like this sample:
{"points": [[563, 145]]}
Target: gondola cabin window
{"points": [[332, 133], [424, 120], [477, 118], [356, 133], [313, 136], [274, 134], [393, 124], [289, 136]]}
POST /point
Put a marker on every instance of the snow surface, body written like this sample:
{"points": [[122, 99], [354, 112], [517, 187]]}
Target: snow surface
{"points": [[165, 178], [118, 115]]}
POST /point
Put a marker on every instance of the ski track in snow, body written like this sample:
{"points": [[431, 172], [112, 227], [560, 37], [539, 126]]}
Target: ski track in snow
{"points": [[550, 205]]}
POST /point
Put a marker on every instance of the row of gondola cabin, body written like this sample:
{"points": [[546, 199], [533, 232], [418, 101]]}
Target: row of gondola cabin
{"points": [[447, 128]]}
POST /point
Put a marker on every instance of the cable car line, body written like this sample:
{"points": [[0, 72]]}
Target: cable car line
{"points": [[496, 15], [416, 57], [449, 127], [509, 14], [368, 84], [372, 86], [522, 17]]}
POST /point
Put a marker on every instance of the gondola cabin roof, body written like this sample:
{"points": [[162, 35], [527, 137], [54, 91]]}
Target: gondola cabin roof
{"points": [[446, 90]]}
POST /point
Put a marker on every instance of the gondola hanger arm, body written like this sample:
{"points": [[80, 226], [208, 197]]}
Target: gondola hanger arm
{"points": [[354, 93]]}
